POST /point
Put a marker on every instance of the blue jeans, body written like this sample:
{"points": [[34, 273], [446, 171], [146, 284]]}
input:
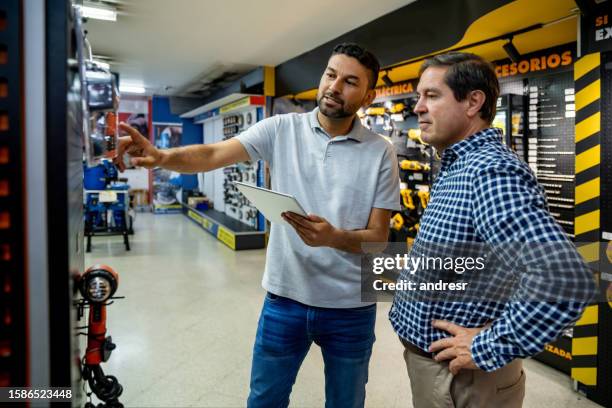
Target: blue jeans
{"points": [[285, 332]]}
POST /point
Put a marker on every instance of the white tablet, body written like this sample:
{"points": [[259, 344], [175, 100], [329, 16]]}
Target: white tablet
{"points": [[271, 203]]}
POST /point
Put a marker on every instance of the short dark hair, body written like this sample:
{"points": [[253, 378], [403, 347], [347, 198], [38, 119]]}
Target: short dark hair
{"points": [[468, 72], [365, 57]]}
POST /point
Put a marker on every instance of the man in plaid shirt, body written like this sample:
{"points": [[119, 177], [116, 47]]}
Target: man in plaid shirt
{"points": [[467, 354]]}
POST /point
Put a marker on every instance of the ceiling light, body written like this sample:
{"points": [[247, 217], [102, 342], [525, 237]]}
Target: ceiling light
{"points": [[513, 53], [132, 89], [98, 12]]}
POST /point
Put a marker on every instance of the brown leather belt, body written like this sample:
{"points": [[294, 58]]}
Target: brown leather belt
{"points": [[416, 350]]}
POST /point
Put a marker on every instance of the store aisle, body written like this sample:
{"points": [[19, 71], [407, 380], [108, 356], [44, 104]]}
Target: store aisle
{"points": [[185, 330]]}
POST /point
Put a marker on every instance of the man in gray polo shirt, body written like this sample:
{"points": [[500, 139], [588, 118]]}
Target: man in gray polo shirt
{"points": [[346, 177]]}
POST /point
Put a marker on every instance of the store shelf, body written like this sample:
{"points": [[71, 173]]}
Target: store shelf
{"points": [[231, 232]]}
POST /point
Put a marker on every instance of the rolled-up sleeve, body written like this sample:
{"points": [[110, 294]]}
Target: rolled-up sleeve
{"points": [[388, 186]]}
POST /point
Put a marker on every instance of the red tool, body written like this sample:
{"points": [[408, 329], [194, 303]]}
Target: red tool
{"points": [[97, 285]]}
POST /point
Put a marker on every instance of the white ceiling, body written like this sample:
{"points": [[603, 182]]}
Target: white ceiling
{"points": [[171, 43]]}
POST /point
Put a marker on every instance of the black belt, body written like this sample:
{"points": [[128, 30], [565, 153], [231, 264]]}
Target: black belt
{"points": [[416, 350]]}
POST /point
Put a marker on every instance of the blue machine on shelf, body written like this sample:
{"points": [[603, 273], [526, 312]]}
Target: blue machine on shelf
{"points": [[106, 203]]}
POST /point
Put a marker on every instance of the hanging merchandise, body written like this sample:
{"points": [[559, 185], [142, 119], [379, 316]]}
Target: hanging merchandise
{"points": [[99, 90], [537, 112], [393, 117], [509, 118], [236, 205]]}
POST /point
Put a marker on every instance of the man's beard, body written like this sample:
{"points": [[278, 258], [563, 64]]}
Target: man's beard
{"points": [[334, 113]]}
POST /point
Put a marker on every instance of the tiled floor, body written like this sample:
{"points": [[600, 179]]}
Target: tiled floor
{"points": [[185, 331]]}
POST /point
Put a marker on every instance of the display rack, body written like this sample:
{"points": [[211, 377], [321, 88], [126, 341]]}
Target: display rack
{"points": [[232, 220], [391, 115], [232, 233], [544, 99], [113, 213]]}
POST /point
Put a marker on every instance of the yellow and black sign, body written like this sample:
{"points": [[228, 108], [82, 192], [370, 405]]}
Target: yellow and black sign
{"points": [[559, 351], [587, 84], [546, 60], [400, 88]]}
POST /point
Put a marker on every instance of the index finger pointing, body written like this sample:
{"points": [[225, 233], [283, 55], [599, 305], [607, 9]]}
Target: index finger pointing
{"points": [[134, 134]]}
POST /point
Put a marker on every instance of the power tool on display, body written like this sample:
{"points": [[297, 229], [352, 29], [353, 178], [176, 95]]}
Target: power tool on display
{"points": [[97, 286]]}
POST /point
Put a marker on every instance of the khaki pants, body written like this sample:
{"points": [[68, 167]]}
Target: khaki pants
{"points": [[433, 385]]}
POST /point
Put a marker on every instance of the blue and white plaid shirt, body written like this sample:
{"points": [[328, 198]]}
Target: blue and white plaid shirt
{"points": [[484, 193]]}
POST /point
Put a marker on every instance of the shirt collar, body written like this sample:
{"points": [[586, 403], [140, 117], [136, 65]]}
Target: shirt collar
{"points": [[470, 144], [355, 133]]}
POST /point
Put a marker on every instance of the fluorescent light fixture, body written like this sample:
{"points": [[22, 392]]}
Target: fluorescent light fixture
{"points": [[97, 12], [132, 89]]}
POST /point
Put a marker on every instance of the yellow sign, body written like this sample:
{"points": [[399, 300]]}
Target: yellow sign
{"points": [[195, 216], [534, 64], [206, 223], [240, 103], [397, 89], [226, 237]]}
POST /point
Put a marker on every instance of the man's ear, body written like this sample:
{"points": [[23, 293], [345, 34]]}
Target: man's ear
{"points": [[369, 98], [475, 100]]}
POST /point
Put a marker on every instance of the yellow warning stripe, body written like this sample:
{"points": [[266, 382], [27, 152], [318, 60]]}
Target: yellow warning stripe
{"points": [[588, 159], [588, 190], [586, 64], [583, 223], [587, 222], [591, 313], [585, 346], [588, 126], [585, 375], [269, 81], [588, 94], [590, 253], [227, 237]]}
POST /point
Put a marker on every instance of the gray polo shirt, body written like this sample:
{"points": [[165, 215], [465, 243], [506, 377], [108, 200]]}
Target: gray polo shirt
{"points": [[340, 179]]}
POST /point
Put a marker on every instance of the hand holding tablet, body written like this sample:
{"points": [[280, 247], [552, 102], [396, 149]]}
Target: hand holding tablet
{"points": [[271, 203]]}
